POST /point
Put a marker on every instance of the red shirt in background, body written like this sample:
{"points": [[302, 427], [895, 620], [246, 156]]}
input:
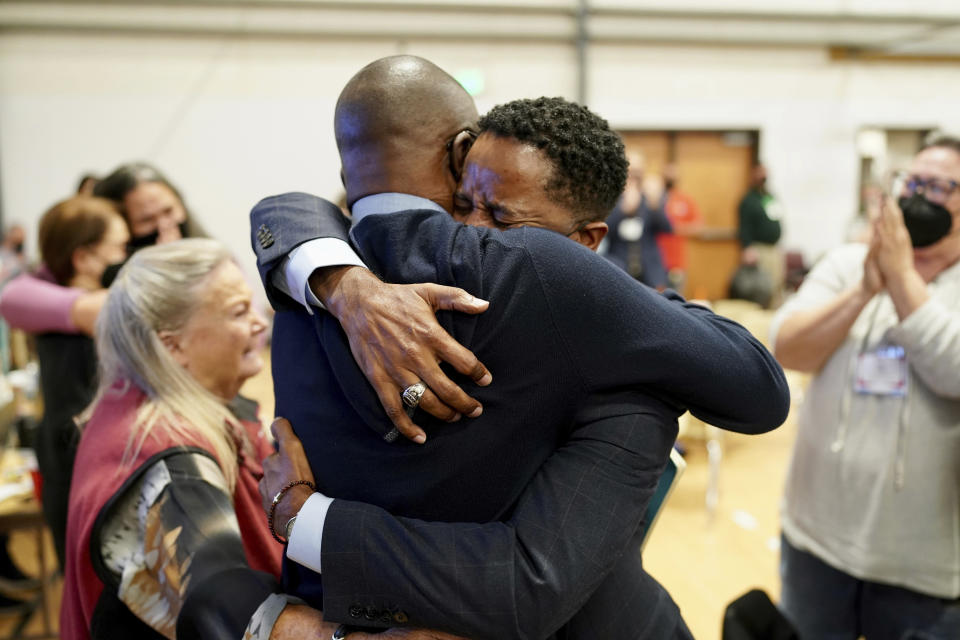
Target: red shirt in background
{"points": [[682, 211]]}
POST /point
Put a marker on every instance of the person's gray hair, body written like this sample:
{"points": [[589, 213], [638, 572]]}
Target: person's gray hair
{"points": [[158, 290], [941, 140]]}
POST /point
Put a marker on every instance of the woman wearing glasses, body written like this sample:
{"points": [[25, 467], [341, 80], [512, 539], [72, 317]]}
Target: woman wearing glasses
{"points": [[871, 541]]}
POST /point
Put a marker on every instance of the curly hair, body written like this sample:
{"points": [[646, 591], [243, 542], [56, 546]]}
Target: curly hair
{"points": [[589, 163]]}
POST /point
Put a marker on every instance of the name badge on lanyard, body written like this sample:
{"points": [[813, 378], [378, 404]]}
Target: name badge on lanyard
{"points": [[882, 371]]}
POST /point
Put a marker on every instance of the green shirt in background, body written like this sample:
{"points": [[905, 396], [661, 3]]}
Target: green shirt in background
{"points": [[759, 219]]}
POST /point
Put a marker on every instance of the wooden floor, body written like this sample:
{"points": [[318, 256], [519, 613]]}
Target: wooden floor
{"points": [[704, 562], [707, 561]]}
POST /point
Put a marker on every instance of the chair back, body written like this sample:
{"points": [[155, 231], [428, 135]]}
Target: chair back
{"points": [[668, 481]]}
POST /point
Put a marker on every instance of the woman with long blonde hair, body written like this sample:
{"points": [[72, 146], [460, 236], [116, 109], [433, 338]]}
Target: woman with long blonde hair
{"points": [[166, 534]]}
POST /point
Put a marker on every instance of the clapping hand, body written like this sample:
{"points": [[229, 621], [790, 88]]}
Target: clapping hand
{"points": [[891, 244], [872, 283], [892, 253]]}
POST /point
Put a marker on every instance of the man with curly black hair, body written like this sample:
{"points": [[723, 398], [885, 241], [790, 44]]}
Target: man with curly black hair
{"points": [[546, 163], [590, 167]]}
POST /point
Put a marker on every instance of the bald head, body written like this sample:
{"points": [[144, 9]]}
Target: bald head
{"points": [[393, 121]]}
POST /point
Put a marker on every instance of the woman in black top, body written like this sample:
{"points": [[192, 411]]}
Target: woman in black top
{"points": [[79, 239]]}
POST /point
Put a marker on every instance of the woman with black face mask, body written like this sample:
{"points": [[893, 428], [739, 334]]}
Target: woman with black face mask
{"points": [[154, 212], [152, 206], [80, 239], [870, 543]]}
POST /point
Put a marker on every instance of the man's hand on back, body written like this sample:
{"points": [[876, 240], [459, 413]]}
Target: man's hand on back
{"points": [[396, 339], [288, 464]]}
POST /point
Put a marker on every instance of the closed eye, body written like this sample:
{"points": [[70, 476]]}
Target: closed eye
{"points": [[462, 204], [503, 218]]}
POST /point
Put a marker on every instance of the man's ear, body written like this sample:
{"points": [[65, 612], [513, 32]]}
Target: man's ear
{"points": [[459, 148], [171, 341], [346, 196], [592, 235]]}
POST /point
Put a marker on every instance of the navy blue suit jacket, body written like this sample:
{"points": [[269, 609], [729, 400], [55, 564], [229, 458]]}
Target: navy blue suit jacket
{"points": [[576, 348]]}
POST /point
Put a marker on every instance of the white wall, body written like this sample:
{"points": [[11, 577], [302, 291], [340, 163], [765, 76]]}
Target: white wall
{"points": [[231, 119], [228, 122], [808, 111]]}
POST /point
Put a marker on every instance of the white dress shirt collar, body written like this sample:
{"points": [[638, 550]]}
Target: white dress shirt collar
{"points": [[390, 203]]}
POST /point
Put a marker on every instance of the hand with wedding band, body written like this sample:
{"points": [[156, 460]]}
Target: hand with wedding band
{"points": [[396, 339]]}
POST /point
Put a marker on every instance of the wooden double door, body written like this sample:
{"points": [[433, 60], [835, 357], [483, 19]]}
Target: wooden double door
{"points": [[713, 167]]}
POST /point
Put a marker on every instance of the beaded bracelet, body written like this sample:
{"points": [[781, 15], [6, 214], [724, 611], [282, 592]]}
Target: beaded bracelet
{"points": [[276, 501]]}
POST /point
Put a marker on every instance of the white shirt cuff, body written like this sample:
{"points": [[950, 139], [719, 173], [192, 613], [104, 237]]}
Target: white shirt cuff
{"points": [[307, 258], [307, 535]]}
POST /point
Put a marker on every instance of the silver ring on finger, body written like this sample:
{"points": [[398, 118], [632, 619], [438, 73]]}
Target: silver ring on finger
{"points": [[412, 394]]}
